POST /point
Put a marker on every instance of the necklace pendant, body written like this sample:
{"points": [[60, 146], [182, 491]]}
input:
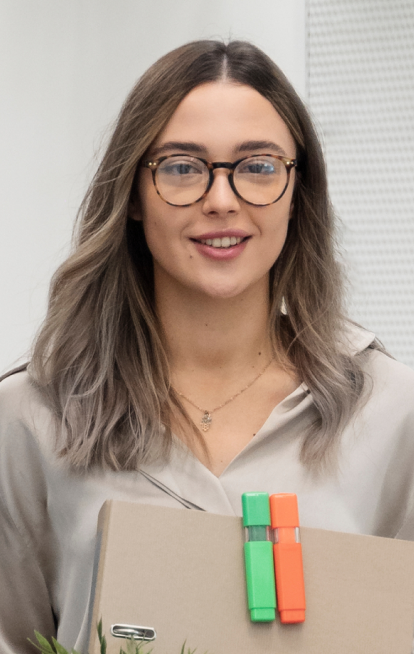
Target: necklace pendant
{"points": [[206, 421]]}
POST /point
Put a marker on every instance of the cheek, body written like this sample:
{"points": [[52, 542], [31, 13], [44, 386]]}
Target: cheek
{"points": [[149, 214], [153, 235], [278, 226], [160, 232], [277, 221]]}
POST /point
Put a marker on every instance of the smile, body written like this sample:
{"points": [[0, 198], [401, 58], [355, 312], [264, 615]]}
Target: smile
{"points": [[221, 248], [224, 242]]}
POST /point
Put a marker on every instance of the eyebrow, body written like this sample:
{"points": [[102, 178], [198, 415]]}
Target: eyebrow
{"points": [[190, 146], [247, 146], [184, 146]]}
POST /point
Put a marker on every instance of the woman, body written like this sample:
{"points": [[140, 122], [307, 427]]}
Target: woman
{"points": [[195, 346]]}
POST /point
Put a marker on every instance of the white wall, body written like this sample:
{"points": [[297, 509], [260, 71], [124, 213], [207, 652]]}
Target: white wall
{"points": [[65, 69]]}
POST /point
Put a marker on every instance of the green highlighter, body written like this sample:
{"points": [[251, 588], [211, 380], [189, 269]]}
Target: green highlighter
{"points": [[258, 555]]}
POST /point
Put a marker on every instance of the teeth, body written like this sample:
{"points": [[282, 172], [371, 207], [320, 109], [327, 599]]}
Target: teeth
{"points": [[225, 242]]}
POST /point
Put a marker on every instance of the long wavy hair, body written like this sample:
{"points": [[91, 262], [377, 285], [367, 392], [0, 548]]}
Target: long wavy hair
{"points": [[100, 359]]}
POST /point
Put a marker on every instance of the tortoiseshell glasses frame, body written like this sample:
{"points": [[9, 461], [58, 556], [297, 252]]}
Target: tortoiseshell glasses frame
{"points": [[211, 166]]}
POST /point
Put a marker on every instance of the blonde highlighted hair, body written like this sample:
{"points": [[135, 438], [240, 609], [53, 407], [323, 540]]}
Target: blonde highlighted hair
{"points": [[99, 358]]}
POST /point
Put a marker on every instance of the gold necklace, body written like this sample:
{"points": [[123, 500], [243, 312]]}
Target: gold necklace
{"points": [[207, 418]]}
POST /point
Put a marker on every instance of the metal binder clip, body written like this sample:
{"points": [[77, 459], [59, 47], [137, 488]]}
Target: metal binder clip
{"points": [[133, 631]]}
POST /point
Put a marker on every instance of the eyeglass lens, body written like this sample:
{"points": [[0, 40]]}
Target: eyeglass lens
{"points": [[184, 180]]}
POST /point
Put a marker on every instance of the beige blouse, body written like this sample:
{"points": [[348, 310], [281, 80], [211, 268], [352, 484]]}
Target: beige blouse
{"points": [[48, 512]]}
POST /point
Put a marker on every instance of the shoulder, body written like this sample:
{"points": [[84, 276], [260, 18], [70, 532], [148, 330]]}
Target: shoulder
{"points": [[389, 376], [14, 379], [387, 403], [389, 384], [384, 376], [25, 535], [17, 392], [27, 438], [24, 416], [386, 409]]}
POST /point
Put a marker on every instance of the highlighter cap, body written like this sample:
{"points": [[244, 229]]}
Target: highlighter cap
{"points": [[256, 509], [262, 615], [284, 510]]}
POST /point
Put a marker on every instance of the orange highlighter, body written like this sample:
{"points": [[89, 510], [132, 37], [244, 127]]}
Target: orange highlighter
{"points": [[287, 551]]}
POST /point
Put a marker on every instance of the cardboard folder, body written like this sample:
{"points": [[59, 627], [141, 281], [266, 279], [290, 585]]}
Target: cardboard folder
{"points": [[181, 572]]}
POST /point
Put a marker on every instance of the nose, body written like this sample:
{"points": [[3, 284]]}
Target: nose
{"points": [[221, 199]]}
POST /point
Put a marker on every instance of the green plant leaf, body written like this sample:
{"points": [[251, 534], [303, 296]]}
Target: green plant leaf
{"points": [[188, 651], [101, 637], [45, 646], [59, 648], [135, 648], [132, 646]]}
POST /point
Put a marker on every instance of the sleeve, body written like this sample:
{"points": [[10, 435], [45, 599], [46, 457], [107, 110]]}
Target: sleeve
{"points": [[26, 563]]}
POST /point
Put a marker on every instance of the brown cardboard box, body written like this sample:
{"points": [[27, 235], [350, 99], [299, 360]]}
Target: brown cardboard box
{"points": [[182, 572]]}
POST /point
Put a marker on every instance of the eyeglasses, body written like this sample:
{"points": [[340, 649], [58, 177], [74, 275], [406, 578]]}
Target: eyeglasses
{"points": [[182, 180]]}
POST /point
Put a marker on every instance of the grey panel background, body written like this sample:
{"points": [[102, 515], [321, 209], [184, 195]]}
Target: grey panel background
{"points": [[361, 93]]}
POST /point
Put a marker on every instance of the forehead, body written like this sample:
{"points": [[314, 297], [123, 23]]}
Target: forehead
{"points": [[219, 116]]}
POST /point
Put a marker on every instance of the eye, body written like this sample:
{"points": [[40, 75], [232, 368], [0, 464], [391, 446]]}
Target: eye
{"points": [[259, 167], [181, 167]]}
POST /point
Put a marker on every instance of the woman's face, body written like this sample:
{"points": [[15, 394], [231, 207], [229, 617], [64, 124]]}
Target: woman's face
{"points": [[219, 121]]}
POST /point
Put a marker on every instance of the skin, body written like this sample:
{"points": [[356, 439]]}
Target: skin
{"points": [[214, 311]]}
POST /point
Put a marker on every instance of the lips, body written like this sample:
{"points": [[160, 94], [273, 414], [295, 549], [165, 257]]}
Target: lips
{"points": [[222, 240], [221, 245]]}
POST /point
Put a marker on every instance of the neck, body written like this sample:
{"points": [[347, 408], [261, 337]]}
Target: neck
{"points": [[203, 332]]}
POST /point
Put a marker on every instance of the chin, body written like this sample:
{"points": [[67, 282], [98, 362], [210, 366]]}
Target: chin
{"points": [[224, 291], [228, 287]]}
